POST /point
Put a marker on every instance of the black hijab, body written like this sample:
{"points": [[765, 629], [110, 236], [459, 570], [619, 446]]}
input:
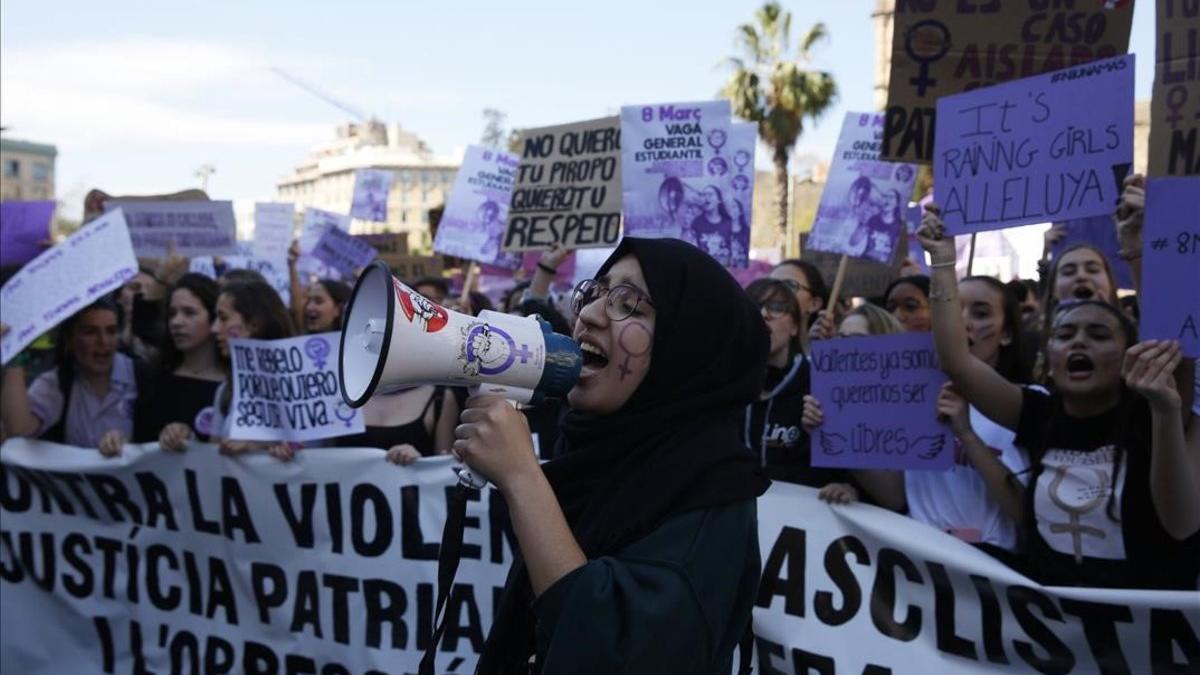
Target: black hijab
{"points": [[673, 447]]}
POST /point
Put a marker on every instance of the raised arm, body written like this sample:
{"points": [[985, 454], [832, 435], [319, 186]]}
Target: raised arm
{"points": [[17, 416], [979, 383], [1129, 218], [1174, 467], [547, 268], [297, 289]]}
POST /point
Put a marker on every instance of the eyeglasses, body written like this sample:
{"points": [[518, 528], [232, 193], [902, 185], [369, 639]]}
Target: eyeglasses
{"points": [[621, 301], [774, 308], [795, 286]]}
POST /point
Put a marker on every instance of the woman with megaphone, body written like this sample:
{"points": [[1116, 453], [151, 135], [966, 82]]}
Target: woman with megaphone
{"points": [[638, 543]]}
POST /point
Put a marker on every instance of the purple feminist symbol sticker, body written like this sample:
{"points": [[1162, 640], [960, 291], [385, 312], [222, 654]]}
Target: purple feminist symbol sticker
{"points": [[317, 349], [345, 413], [492, 351], [716, 140]]}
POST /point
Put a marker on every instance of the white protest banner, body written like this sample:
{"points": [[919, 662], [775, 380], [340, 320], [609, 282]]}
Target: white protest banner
{"points": [[287, 390], [196, 228], [743, 141], [1028, 151], [568, 188], [861, 213], [198, 563], [315, 223], [274, 224], [856, 589], [675, 173], [473, 221], [91, 263], [370, 199], [247, 564]]}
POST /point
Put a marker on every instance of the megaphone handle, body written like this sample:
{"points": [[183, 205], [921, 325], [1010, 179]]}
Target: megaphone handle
{"points": [[470, 479]]}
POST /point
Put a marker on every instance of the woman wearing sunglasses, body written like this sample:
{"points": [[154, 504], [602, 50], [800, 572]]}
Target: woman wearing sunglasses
{"points": [[638, 548], [772, 424]]}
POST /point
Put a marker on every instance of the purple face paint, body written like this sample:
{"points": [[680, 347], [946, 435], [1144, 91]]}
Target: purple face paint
{"points": [[635, 343]]}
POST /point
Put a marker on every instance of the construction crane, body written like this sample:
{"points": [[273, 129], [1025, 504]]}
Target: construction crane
{"points": [[357, 114]]}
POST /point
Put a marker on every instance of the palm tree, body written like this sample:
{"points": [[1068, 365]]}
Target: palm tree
{"points": [[776, 91]]}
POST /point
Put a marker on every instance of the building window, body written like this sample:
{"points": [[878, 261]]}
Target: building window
{"points": [[41, 171], [404, 216], [12, 168], [41, 193]]}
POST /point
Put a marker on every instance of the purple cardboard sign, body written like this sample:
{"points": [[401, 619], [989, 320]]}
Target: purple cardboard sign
{"points": [[342, 251], [1100, 232], [1170, 294], [23, 228], [879, 395], [1047, 148]]}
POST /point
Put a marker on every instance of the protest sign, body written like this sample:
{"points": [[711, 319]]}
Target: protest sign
{"points": [[879, 395], [473, 221], [1175, 102], [316, 221], [912, 216], [387, 244], [861, 213], [24, 231], [1170, 295], [864, 278], [370, 199], [676, 174], [343, 252], [197, 563], [328, 564], [857, 589], [274, 226], [1101, 233], [942, 48], [274, 271], [1027, 152], [196, 228], [568, 188], [743, 141], [287, 390], [413, 267], [91, 263]]}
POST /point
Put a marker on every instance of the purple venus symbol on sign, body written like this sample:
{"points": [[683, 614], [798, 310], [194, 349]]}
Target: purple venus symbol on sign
{"points": [[317, 349], [345, 413]]}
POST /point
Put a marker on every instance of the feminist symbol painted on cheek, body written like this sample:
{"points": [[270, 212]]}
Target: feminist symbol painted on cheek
{"points": [[634, 346]]}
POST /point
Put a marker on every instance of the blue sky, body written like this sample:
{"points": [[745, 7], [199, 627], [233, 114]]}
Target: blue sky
{"points": [[137, 95]]}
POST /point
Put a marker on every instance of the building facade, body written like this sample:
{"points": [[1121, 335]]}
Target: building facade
{"points": [[422, 180], [26, 170]]}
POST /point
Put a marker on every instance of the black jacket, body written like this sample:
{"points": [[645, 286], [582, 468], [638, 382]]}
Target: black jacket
{"points": [[772, 428]]}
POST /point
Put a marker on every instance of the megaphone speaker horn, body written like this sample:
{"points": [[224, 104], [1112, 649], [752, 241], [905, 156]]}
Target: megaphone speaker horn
{"points": [[393, 337]]}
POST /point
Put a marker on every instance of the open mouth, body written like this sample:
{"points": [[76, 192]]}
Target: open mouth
{"points": [[593, 356], [1083, 293], [1079, 365]]}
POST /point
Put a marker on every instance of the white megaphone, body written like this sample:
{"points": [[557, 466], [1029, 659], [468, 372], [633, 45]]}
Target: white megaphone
{"points": [[393, 338]]}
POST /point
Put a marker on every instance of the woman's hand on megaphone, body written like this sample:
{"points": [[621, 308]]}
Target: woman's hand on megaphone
{"points": [[494, 439]]}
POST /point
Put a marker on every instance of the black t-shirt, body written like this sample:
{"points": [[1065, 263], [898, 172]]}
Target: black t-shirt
{"points": [[1084, 528], [175, 398]]}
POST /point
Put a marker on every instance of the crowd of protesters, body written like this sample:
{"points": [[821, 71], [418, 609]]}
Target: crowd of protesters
{"points": [[1044, 374]]}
